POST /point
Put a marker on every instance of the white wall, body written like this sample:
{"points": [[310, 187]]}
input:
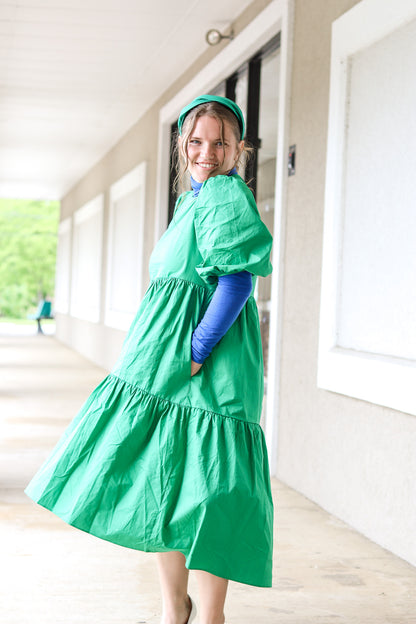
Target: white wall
{"points": [[353, 456], [86, 260], [125, 248], [63, 267], [103, 269]]}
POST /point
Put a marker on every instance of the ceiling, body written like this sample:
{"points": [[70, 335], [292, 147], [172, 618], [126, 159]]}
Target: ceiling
{"points": [[75, 75]]}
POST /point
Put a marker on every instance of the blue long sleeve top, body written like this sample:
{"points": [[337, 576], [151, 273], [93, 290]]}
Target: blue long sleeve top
{"points": [[229, 299]]}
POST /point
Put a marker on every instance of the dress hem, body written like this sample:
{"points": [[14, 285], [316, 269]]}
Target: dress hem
{"points": [[144, 548]]}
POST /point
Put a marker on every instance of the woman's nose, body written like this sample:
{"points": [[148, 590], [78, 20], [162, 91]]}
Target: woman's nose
{"points": [[207, 150]]}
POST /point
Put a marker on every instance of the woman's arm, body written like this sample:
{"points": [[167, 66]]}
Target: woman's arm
{"points": [[229, 299]]}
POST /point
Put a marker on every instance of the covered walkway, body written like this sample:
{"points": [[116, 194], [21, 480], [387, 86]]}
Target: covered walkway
{"points": [[53, 574]]}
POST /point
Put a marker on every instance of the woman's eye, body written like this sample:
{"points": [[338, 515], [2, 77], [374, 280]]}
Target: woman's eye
{"points": [[194, 142], [220, 143]]}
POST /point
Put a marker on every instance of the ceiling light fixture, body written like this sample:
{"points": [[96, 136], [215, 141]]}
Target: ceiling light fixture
{"points": [[214, 36]]}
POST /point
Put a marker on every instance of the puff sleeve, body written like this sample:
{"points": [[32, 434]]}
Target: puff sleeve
{"points": [[230, 234]]}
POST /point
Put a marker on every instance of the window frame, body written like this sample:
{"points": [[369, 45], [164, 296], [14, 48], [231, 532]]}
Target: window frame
{"points": [[379, 379], [253, 67]]}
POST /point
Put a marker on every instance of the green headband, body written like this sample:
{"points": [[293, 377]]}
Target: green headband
{"points": [[203, 99]]}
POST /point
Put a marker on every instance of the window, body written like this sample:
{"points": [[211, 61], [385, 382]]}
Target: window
{"points": [[86, 260], [367, 329], [125, 248]]}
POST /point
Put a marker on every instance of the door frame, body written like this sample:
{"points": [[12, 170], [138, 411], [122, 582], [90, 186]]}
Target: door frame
{"points": [[276, 17]]}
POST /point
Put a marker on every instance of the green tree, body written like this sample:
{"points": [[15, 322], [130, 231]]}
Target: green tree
{"points": [[28, 237]]}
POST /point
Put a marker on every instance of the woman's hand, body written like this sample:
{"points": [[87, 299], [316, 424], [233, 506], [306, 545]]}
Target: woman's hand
{"points": [[195, 367]]}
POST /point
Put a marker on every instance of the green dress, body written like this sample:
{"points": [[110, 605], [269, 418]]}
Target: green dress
{"points": [[158, 460]]}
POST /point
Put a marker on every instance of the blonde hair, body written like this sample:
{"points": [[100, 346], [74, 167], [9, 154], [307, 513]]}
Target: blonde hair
{"points": [[180, 147]]}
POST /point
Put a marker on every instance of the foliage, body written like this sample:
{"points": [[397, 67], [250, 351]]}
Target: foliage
{"points": [[28, 238]]}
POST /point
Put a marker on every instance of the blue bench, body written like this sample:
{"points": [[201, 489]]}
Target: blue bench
{"points": [[44, 311]]}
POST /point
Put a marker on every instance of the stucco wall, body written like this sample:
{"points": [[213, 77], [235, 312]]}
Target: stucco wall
{"points": [[96, 341], [355, 459]]}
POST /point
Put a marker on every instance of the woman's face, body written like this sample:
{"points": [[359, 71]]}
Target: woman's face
{"points": [[208, 155]]}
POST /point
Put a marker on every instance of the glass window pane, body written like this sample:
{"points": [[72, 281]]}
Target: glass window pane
{"points": [[241, 90]]}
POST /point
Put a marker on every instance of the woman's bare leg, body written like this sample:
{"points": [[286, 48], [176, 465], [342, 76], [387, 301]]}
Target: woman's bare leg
{"points": [[173, 577], [212, 594]]}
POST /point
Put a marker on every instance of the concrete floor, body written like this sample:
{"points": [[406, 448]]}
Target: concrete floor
{"points": [[324, 571]]}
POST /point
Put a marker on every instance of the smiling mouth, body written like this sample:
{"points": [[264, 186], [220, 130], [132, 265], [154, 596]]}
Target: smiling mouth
{"points": [[207, 165]]}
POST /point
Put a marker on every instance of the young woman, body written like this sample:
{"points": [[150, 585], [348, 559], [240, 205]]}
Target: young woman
{"points": [[167, 454]]}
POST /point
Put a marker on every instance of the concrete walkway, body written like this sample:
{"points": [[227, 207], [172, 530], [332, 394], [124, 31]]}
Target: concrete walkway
{"points": [[54, 574]]}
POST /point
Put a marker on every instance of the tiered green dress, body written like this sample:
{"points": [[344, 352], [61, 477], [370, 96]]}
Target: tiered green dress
{"points": [[158, 460]]}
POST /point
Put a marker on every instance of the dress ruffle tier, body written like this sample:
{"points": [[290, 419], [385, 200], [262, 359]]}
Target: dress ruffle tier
{"points": [[165, 482]]}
